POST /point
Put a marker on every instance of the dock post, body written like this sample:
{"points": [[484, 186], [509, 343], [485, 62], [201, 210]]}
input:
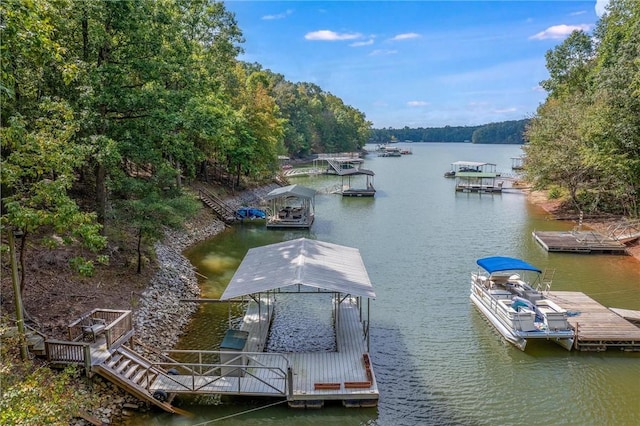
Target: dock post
{"points": [[290, 383]]}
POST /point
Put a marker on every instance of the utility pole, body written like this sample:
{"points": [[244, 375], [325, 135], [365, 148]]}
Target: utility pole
{"points": [[24, 351]]}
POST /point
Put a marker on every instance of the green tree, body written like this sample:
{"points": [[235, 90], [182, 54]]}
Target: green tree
{"points": [[557, 151], [38, 170], [149, 211], [569, 64], [589, 127]]}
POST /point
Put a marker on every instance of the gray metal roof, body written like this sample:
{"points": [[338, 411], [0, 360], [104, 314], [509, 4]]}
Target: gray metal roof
{"points": [[292, 190], [472, 163], [311, 263]]}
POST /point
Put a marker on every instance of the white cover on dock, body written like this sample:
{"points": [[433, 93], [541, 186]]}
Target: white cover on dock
{"points": [[302, 261]]}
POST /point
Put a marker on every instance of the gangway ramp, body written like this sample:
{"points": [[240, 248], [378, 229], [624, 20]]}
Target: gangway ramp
{"points": [[242, 373], [135, 374]]}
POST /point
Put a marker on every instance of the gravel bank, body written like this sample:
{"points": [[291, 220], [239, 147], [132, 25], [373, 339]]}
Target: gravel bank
{"points": [[159, 317]]}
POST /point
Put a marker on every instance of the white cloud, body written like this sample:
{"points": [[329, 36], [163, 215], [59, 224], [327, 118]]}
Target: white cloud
{"points": [[362, 43], [559, 31], [405, 36], [381, 52], [327, 35], [505, 110], [578, 13], [417, 103], [601, 7], [278, 16]]}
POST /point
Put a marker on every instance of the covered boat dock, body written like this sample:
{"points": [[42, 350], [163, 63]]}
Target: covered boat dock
{"points": [[306, 267], [474, 176], [291, 206]]}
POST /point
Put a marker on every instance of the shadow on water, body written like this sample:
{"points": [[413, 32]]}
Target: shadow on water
{"points": [[405, 397]]}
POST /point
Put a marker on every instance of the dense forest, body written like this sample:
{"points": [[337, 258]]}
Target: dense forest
{"points": [[584, 141], [510, 132], [109, 107]]}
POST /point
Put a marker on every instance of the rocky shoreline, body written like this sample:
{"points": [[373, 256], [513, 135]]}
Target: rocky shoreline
{"points": [[160, 317]]}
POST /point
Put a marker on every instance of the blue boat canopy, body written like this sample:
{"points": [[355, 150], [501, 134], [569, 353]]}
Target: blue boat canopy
{"points": [[502, 263]]}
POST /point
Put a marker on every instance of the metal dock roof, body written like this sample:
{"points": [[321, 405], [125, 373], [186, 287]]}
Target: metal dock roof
{"points": [[302, 261]]}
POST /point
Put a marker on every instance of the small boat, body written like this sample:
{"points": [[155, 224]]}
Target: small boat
{"points": [[504, 295], [250, 213], [390, 151]]}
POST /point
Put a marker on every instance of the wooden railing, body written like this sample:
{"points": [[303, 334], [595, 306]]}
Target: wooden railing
{"points": [[119, 329], [224, 212], [61, 352], [118, 325]]}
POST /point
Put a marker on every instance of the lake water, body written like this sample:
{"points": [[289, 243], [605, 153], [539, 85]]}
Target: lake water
{"points": [[436, 359]]}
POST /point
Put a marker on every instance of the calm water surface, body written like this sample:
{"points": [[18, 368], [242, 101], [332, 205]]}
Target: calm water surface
{"points": [[437, 361]]}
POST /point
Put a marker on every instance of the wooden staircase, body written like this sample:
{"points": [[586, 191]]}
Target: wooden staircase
{"points": [[219, 207], [135, 374], [104, 355], [35, 340]]}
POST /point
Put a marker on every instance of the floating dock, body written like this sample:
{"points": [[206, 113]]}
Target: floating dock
{"points": [[579, 242], [344, 375], [307, 379], [597, 327]]}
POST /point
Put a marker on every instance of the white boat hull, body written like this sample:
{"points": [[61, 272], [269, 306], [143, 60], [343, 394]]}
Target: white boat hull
{"points": [[506, 332], [518, 326]]}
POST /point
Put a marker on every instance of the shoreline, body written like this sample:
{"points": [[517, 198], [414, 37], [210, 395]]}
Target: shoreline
{"points": [[161, 318], [539, 198]]}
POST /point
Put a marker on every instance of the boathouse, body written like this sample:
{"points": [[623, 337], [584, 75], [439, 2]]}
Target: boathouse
{"points": [[473, 176], [303, 268], [291, 206]]}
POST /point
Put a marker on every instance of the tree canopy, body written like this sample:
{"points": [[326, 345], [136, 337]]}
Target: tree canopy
{"points": [[505, 132], [585, 138], [108, 107]]}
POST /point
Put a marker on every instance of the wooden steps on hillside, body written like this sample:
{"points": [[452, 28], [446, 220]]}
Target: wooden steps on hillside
{"points": [[219, 207]]}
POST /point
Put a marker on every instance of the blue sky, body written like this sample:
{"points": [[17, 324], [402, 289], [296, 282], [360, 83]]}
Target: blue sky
{"points": [[416, 63]]}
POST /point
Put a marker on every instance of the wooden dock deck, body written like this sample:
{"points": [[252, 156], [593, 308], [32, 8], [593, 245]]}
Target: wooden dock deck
{"points": [[345, 375], [579, 242], [598, 328], [305, 379], [628, 314]]}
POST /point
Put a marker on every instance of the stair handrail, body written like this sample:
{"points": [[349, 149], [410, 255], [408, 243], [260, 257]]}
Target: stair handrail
{"points": [[206, 195], [233, 369]]}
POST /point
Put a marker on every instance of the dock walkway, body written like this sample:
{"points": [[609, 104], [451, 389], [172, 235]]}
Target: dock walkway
{"points": [[345, 374], [598, 328]]}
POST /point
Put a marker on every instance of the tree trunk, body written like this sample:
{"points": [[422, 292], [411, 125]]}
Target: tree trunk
{"points": [[101, 195], [139, 251], [85, 35], [22, 250]]}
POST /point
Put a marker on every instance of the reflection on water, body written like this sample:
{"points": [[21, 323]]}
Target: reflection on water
{"points": [[436, 359]]}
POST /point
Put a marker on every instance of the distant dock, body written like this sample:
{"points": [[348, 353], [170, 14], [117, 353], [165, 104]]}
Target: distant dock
{"points": [[579, 242], [597, 327]]}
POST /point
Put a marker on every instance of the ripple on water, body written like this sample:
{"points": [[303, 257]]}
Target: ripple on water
{"points": [[302, 324]]}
